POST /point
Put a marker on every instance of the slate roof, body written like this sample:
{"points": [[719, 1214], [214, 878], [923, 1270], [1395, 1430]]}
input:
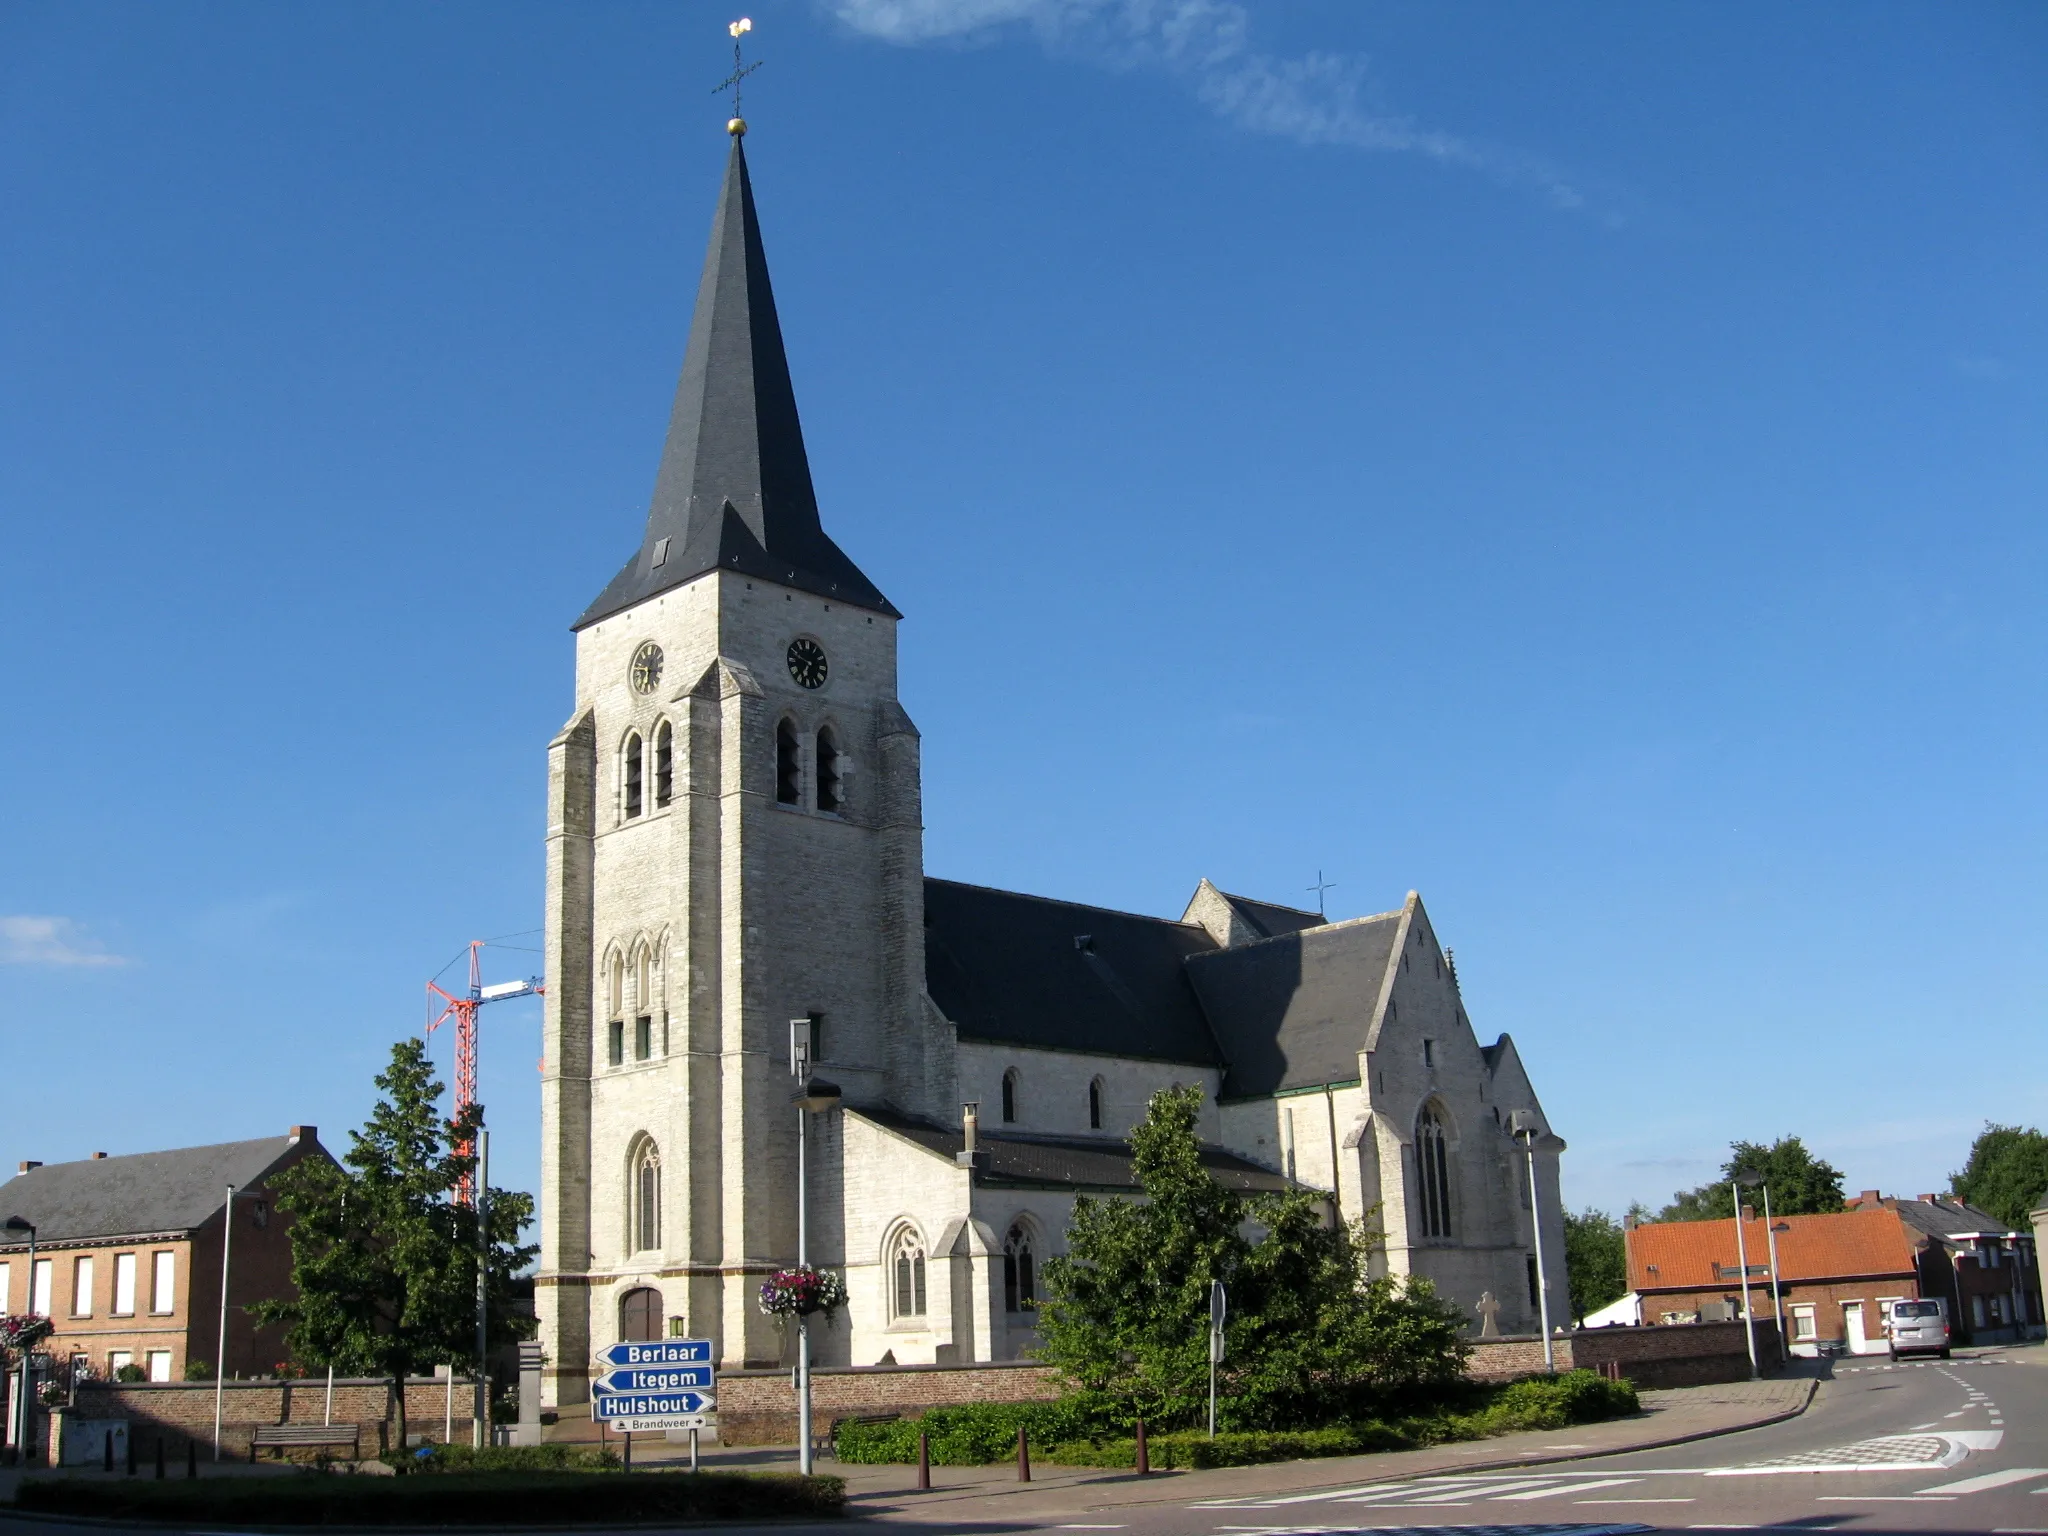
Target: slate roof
{"points": [[148, 1192], [1291, 1012], [1064, 1162], [1060, 976], [1949, 1219], [1269, 920], [1850, 1244], [734, 488]]}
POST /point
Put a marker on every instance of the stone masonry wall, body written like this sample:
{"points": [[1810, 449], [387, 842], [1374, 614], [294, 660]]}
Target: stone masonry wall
{"points": [[179, 1411]]}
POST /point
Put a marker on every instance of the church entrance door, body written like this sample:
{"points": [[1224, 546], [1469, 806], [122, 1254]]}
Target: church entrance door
{"points": [[640, 1314]]}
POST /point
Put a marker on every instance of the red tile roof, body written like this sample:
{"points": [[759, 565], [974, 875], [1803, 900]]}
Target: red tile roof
{"points": [[1681, 1255]]}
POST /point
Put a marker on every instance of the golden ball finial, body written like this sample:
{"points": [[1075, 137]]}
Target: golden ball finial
{"points": [[737, 127]]}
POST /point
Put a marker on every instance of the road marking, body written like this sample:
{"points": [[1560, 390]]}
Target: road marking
{"points": [[1091, 1527], [1989, 1480], [1884, 1498], [1647, 1501], [1545, 1493]]}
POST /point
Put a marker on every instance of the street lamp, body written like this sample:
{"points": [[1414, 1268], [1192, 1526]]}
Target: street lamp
{"points": [[1742, 1181], [811, 1097], [1525, 1130], [220, 1363], [23, 1423]]}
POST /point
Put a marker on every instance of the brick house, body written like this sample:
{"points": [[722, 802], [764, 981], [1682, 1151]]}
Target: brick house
{"points": [[128, 1255], [1837, 1275], [1989, 1274]]}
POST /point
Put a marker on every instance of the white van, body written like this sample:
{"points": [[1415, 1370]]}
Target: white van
{"points": [[1920, 1327]]}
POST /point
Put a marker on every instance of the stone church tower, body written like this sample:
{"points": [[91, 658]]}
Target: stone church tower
{"points": [[734, 841]]}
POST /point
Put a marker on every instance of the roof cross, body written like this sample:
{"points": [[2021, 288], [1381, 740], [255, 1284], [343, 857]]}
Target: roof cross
{"points": [[740, 71], [1319, 887]]}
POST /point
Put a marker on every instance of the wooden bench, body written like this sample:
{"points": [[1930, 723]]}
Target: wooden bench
{"points": [[281, 1437], [829, 1441]]}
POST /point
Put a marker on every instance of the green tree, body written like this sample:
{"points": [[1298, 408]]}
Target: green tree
{"points": [[1801, 1184], [2007, 1173], [383, 1258], [1596, 1259], [1310, 1336]]}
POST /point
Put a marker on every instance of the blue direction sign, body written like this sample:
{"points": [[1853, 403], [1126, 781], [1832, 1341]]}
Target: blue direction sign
{"points": [[657, 1352], [660, 1378], [647, 1405]]}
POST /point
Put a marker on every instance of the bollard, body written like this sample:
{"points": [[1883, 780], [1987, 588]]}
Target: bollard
{"points": [[626, 1456], [693, 1450], [191, 1458], [107, 1459], [1023, 1455], [924, 1460], [1144, 1456], [159, 1458]]}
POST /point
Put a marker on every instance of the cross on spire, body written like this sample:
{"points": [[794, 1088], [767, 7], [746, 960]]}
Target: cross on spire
{"points": [[740, 70]]}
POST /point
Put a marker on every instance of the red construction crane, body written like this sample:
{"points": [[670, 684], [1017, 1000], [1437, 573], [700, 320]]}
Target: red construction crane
{"points": [[463, 1010]]}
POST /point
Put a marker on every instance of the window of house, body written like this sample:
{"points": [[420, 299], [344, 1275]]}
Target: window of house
{"points": [[41, 1283], [1020, 1275], [831, 772], [1433, 1172], [119, 1360], [1010, 1096], [647, 1200], [124, 1284], [81, 1287], [664, 764], [163, 1281], [616, 1045], [1977, 1311], [6, 1288], [1804, 1328], [906, 1269], [1095, 1105], [158, 1363], [789, 765], [643, 1037], [634, 787]]}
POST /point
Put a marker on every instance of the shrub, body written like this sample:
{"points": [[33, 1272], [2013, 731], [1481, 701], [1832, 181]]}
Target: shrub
{"points": [[970, 1435], [199, 1370], [130, 1372], [503, 1458], [1552, 1402]]}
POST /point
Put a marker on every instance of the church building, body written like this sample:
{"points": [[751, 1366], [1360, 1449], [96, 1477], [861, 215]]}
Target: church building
{"points": [[735, 860]]}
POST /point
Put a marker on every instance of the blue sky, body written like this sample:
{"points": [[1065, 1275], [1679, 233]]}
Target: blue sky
{"points": [[1583, 463]]}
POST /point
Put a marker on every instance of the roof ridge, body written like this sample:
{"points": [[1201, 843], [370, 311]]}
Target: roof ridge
{"points": [[1062, 901]]}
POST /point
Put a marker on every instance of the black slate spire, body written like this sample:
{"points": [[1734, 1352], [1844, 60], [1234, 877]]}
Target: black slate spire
{"points": [[734, 488]]}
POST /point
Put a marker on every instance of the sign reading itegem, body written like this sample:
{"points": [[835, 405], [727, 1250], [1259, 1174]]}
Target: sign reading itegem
{"points": [[661, 1378], [657, 1352]]}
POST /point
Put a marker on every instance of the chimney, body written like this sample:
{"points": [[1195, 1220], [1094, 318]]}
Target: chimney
{"points": [[27, 1166], [1929, 1199], [970, 1154], [305, 1133], [1630, 1222], [1870, 1200], [97, 1156], [1749, 1213]]}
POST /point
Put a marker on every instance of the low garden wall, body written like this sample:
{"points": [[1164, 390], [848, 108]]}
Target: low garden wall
{"points": [[1666, 1355], [180, 1411]]}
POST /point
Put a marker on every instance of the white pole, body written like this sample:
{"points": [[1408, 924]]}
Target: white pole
{"points": [[1742, 1261], [1542, 1278], [803, 1323], [328, 1416], [220, 1364], [1777, 1298], [480, 1431]]}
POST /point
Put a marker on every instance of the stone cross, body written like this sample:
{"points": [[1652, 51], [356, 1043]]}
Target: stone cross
{"points": [[1488, 1309]]}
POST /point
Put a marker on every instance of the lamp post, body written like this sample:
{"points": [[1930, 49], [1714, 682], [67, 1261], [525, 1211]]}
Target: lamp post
{"points": [[21, 1414], [1777, 1297], [810, 1097], [1526, 1134], [1742, 1263], [220, 1362]]}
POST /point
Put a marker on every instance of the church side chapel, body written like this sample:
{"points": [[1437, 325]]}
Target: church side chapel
{"points": [[735, 849]]}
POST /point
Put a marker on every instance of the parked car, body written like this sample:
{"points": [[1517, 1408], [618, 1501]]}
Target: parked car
{"points": [[1920, 1328]]}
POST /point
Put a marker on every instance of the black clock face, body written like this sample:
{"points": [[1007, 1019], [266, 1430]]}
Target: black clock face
{"points": [[807, 663], [646, 669]]}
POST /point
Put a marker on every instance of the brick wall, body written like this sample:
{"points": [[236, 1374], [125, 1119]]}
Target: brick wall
{"points": [[759, 1407], [183, 1410]]}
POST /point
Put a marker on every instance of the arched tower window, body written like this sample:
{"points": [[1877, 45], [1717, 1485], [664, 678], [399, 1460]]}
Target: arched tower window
{"points": [[831, 783], [646, 1198], [1020, 1271], [789, 765], [906, 1273], [1010, 1097], [634, 768], [640, 1314], [1433, 1172], [664, 764], [615, 1029], [1095, 1105]]}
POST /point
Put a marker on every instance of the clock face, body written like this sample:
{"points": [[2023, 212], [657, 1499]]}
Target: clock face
{"points": [[646, 669], [807, 663]]}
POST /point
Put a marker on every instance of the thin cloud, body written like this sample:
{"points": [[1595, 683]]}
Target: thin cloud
{"points": [[28, 940], [1317, 98]]}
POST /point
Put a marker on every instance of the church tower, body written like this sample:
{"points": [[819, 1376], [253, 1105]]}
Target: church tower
{"points": [[734, 841]]}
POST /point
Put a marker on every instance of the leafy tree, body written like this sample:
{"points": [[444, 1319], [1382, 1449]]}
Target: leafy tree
{"points": [[1311, 1334], [1801, 1184], [1596, 1259], [2007, 1173], [384, 1260]]}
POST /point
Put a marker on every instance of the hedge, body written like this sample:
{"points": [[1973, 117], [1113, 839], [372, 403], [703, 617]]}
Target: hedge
{"points": [[454, 1498]]}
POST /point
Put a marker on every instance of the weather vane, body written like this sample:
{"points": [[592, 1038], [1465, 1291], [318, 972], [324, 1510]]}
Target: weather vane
{"points": [[740, 71]]}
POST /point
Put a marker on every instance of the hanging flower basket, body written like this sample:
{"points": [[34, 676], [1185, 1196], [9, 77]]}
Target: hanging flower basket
{"points": [[23, 1331], [802, 1293]]}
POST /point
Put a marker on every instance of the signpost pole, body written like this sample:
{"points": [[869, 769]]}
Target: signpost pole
{"points": [[803, 1323], [480, 1431], [1218, 1306], [1542, 1276], [1742, 1263]]}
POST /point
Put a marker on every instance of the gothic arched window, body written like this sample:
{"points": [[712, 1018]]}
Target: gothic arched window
{"points": [[1010, 1096], [664, 764], [1433, 1172], [789, 765], [831, 786], [647, 1199], [1020, 1272], [634, 768], [906, 1274], [1095, 1105]]}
